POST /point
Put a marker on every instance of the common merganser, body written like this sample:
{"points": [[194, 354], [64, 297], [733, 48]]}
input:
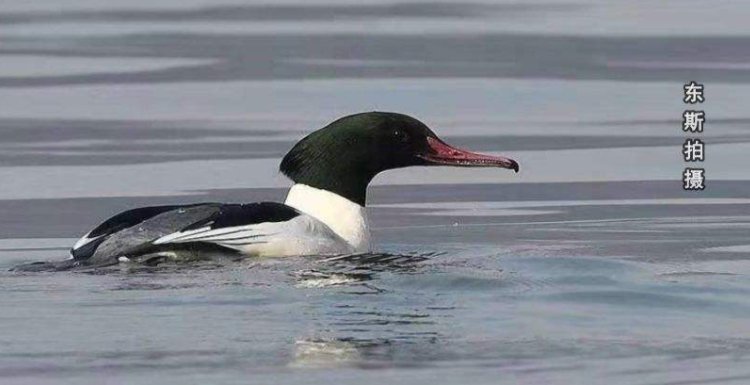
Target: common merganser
{"points": [[324, 212]]}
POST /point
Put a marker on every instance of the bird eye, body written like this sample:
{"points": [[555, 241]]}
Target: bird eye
{"points": [[400, 135]]}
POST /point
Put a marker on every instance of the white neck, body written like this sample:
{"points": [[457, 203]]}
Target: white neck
{"points": [[346, 218]]}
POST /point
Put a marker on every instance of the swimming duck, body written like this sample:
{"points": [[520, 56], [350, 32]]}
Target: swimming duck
{"points": [[323, 214]]}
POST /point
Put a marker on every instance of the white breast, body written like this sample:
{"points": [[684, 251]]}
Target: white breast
{"points": [[344, 217]]}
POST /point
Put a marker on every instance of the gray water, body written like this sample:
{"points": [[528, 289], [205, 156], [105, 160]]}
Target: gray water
{"points": [[591, 265]]}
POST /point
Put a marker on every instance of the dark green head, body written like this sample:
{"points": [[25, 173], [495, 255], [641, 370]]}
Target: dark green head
{"points": [[345, 155]]}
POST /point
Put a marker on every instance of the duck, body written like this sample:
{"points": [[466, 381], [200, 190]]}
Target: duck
{"points": [[324, 211]]}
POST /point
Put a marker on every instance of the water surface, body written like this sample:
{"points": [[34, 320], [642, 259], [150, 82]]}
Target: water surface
{"points": [[590, 264]]}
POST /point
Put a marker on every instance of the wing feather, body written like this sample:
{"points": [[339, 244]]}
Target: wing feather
{"points": [[87, 245], [234, 225]]}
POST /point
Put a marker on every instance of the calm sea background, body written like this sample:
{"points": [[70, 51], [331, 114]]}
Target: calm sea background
{"points": [[590, 265]]}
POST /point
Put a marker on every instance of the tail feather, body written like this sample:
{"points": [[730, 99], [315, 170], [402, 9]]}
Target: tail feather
{"points": [[62, 265], [35, 267]]}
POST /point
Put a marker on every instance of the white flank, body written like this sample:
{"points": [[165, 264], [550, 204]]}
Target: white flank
{"points": [[346, 218], [205, 233], [330, 225], [301, 235]]}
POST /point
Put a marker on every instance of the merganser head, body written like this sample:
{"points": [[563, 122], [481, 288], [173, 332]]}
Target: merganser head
{"points": [[345, 155]]}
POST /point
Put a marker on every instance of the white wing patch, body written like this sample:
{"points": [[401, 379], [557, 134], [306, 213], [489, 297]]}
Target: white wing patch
{"points": [[85, 240], [302, 235], [225, 235]]}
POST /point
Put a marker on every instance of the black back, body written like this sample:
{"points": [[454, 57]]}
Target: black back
{"points": [[231, 215], [129, 218]]}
